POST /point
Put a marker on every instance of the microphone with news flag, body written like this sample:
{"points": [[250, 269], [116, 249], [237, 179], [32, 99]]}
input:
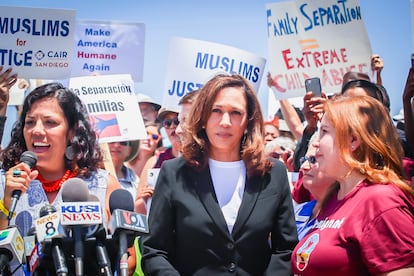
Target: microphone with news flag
{"points": [[78, 213], [50, 233], [11, 248], [125, 224]]}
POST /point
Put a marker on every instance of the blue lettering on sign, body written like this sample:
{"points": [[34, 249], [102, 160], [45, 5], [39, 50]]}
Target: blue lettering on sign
{"points": [[335, 14], [44, 27], [230, 65], [283, 26], [180, 88], [79, 208], [12, 58]]}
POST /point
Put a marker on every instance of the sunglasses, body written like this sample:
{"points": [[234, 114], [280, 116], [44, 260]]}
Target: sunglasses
{"points": [[311, 159], [154, 136], [123, 143], [167, 123]]}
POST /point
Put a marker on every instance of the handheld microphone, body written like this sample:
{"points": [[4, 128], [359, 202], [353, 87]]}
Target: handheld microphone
{"points": [[48, 228], [124, 224], [30, 159], [99, 233], [11, 248], [78, 213]]}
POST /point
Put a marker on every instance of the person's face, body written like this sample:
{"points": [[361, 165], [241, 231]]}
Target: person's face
{"points": [[119, 152], [150, 145], [314, 179], [46, 133], [271, 132], [327, 153], [227, 123], [148, 112], [182, 117], [170, 128]]}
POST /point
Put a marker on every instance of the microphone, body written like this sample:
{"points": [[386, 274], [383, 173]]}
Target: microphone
{"points": [[33, 250], [78, 213], [11, 248], [30, 159], [48, 228], [124, 224], [99, 233]]}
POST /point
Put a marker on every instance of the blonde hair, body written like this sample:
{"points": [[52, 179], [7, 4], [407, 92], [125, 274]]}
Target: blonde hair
{"points": [[379, 154]]}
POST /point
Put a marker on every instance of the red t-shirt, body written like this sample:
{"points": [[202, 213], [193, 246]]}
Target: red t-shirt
{"points": [[371, 230]]}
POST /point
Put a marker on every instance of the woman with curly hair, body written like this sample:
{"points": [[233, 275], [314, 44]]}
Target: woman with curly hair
{"points": [[54, 125], [224, 206]]}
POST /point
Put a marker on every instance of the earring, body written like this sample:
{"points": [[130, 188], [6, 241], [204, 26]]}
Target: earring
{"points": [[69, 153]]}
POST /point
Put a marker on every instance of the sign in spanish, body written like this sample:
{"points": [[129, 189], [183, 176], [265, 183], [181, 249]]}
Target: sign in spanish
{"points": [[315, 38], [37, 43], [112, 106], [107, 48], [192, 62]]}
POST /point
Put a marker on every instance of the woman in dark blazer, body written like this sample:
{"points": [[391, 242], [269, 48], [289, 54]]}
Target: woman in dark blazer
{"points": [[223, 207]]}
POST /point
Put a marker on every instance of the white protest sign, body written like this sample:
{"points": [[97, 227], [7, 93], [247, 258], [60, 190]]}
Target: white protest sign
{"points": [[112, 106], [315, 38], [37, 43], [191, 63], [107, 48]]}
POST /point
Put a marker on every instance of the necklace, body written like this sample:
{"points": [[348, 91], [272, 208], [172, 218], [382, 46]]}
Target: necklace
{"points": [[54, 185]]}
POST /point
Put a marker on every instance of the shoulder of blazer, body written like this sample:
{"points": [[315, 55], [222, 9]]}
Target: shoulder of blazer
{"points": [[175, 163], [277, 165]]}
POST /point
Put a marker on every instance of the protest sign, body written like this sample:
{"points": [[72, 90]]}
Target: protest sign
{"points": [[191, 63], [37, 43], [318, 38], [112, 106], [108, 47]]}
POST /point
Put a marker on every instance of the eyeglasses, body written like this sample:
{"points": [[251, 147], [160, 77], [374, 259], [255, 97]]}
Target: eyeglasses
{"points": [[153, 135], [311, 159], [167, 123]]}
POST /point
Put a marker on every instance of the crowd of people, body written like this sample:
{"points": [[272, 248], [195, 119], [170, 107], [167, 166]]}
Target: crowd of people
{"points": [[219, 195]]}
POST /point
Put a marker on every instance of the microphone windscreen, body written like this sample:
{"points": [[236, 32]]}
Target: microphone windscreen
{"points": [[121, 199], [24, 221], [75, 190], [29, 158], [47, 210], [31, 231], [93, 198]]}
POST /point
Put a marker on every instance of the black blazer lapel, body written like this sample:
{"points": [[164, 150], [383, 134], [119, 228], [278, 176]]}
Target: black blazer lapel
{"points": [[251, 192], [205, 190]]}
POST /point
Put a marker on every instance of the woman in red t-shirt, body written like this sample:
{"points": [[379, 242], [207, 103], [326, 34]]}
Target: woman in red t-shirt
{"points": [[366, 222]]}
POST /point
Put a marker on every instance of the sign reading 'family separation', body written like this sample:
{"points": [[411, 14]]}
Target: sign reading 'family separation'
{"points": [[193, 62], [315, 38], [37, 43]]}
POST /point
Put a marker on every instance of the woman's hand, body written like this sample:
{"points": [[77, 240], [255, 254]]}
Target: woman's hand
{"points": [[18, 178]]}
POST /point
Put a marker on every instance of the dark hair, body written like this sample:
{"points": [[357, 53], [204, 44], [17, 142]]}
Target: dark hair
{"points": [[374, 90], [87, 155], [197, 146]]}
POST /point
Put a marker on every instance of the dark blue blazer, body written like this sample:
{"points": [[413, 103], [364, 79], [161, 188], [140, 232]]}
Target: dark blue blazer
{"points": [[189, 235]]}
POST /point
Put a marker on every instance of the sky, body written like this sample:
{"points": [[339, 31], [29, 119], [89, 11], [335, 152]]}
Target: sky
{"points": [[241, 24]]}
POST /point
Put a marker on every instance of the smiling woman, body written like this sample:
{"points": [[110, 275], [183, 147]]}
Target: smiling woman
{"points": [[54, 125]]}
